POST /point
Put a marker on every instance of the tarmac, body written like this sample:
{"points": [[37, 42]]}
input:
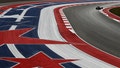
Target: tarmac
{"points": [[95, 28]]}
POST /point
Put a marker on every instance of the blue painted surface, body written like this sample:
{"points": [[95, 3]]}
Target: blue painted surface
{"points": [[4, 27], [30, 22], [5, 52], [14, 11], [6, 64]]}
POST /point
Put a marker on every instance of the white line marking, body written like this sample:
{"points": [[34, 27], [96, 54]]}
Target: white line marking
{"points": [[47, 29], [12, 47], [24, 12], [5, 12]]}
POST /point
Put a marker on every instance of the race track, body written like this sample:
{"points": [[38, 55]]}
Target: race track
{"points": [[95, 28], [35, 35]]}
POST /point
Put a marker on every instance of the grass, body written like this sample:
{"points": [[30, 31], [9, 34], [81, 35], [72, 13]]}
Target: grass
{"points": [[115, 11]]}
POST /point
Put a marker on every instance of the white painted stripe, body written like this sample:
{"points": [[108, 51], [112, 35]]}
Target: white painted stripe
{"points": [[22, 15], [63, 16], [24, 12], [14, 51], [65, 19], [72, 30], [12, 47], [68, 24], [68, 27], [5, 12], [101, 11], [47, 29], [13, 27]]}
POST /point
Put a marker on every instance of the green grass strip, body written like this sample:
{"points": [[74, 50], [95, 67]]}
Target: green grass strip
{"points": [[116, 11]]}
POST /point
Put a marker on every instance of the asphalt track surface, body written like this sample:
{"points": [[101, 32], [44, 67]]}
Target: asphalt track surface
{"points": [[95, 28], [23, 51]]}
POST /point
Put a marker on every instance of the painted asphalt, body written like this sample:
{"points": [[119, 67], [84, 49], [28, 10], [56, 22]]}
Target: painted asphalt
{"points": [[29, 16], [95, 28], [24, 50]]}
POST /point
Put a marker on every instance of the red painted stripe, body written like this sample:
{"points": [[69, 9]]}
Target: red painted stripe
{"points": [[107, 11], [71, 37], [38, 60], [14, 37]]}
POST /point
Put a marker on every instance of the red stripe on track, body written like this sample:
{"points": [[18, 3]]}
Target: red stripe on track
{"points": [[107, 11], [71, 37], [14, 37]]}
